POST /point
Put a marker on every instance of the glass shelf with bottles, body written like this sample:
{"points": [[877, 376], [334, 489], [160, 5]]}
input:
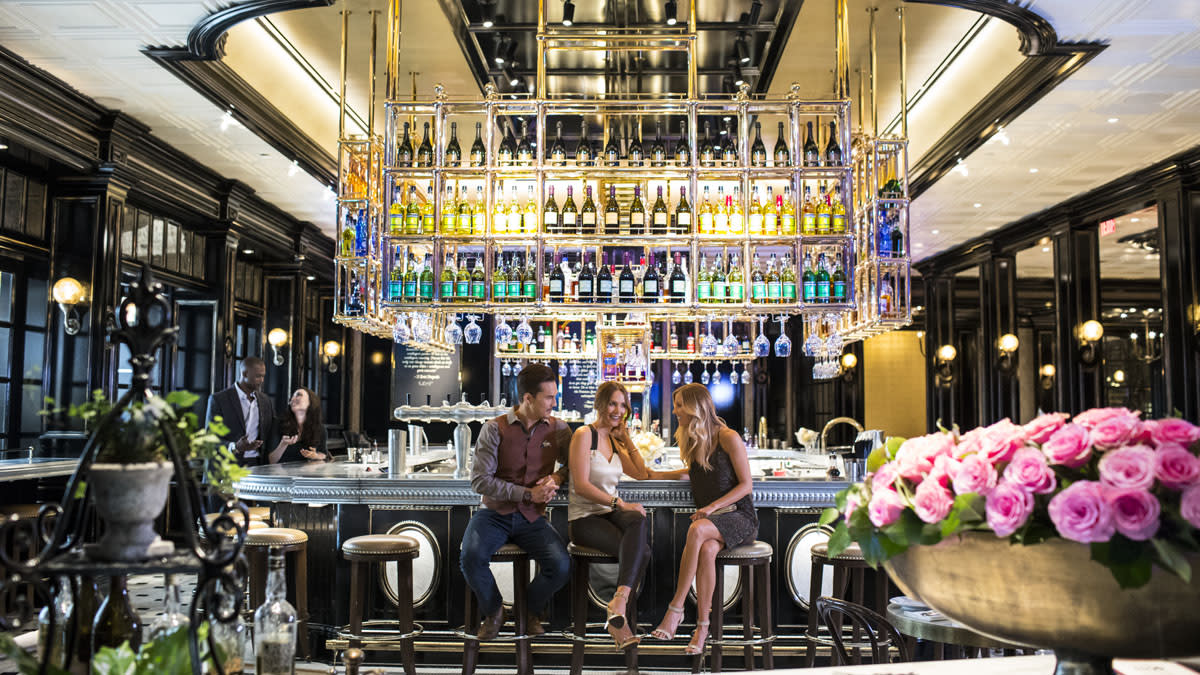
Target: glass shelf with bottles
{"points": [[550, 339], [359, 239], [359, 163], [586, 276], [826, 277], [884, 294], [882, 226], [357, 296]]}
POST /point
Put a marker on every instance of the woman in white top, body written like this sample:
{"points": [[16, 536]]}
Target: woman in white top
{"points": [[600, 453]]}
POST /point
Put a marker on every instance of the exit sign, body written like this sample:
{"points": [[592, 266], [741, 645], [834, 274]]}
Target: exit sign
{"points": [[1107, 227]]}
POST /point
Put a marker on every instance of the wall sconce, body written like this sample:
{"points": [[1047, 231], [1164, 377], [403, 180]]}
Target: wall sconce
{"points": [[331, 350], [849, 361], [1007, 345], [1117, 379], [1089, 342], [277, 338], [944, 358], [1047, 372], [72, 298]]}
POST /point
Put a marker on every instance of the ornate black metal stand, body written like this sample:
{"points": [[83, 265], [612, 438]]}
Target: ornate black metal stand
{"points": [[143, 322]]}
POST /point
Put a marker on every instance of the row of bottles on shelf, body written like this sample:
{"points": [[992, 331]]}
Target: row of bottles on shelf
{"points": [[719, 150], [663, 280]]}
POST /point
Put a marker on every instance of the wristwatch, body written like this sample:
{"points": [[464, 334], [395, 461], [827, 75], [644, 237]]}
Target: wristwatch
{"points": [[527, 498]]}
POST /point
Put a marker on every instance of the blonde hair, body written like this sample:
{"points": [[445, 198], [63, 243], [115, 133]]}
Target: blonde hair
{"points": [[697, 440], [604, 393]]}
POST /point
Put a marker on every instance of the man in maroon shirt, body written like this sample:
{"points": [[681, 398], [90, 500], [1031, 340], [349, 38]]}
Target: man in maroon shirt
{"points": [[514, 471]]}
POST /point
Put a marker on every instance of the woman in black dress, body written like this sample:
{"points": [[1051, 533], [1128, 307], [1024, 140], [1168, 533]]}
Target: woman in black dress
{"points": [[300, 434], [721, 489]]}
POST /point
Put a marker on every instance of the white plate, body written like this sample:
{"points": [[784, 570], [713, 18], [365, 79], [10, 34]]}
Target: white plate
{"points": [[905, 602]]}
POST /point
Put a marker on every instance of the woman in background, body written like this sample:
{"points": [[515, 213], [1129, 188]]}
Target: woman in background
{"points": [[721, 490], [299, 431]]}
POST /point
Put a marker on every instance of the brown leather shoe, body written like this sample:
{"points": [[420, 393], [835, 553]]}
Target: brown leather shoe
{"points": [[533, 625], [489, 628]]}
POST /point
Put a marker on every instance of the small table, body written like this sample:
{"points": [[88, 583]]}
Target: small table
{"points": [[927, 624]]}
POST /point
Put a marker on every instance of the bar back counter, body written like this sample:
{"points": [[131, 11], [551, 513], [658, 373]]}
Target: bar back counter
{"points": [[335, 501]]}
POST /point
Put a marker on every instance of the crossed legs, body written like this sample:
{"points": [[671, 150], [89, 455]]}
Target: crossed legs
{"points": [[699, 563]]}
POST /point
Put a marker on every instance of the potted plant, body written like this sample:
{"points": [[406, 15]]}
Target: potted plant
{"points": [[1078, 534], [130, 477]]}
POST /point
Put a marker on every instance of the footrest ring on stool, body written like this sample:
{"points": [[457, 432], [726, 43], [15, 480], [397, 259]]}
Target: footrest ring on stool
{"points": [[741, 642], [343, 632], [570, 636], [461, 633]]}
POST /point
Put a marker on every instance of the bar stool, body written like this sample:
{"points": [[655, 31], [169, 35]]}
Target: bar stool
{"points": [[508, 553], [582, 558], [849, 568], [259, 541], [756, 606], [364, 551], [14, 596], [260, 513]]}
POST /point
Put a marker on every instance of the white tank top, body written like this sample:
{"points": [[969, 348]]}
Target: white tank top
{"points": [[603, 474]]}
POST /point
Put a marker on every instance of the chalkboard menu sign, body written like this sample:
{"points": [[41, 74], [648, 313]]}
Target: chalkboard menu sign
{"points": [[577, 393], [419, 373]]}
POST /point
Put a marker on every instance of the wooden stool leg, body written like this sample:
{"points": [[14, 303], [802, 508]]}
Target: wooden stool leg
{"points": [[302, 601], [258, 576], [716, 628], [631, 654], [358, 598], [814, 592], [470, 626], [404, 592], [579, 607], [748, 600], [766, 626], [521, 610]]}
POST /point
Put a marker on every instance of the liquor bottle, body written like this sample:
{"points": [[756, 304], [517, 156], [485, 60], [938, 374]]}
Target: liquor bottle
{"points": [[525, 146], [612, 212], [658, 151], [735, 290], [462, 282], [428, 221], [706, 214], [557, 281], [837, 212], [530, 216], [479, 212], [637, 213], [478, 282], [627, 285], [758, 150], [453, 151], [550, 212], [720, 286], [729, 153], [809, 213], [808, 280], [52, 645], [782, 156], [515, 223], [465, 215], [833, 151], [478, 152], [737, 217], [410, 279], [587, 281], [774, 282], [635, 152], [412, 213], [446, 281], [651, 281], [231, 638], [703, 281], [658, 215], [822, 279], [682, 218], [395, 221], [770, 214], [812, 154], [275, 624], [583, 151], [427, 279], [886, 297], [508, 149], [558, 151], [516, 279], [788, 279], [569, 214], [449, 220], [755, 217], [838, 281], [604, 282], [691, 343], [395, 287], [425, 150], [404, 154], [587, 213], [721, 213], [758, 282], [172, 618], [612, 151], [529, 282], [897, 240], [708, 149], [677, 288], [499, 281], [823, 212], [683, 148], [116, 621]]}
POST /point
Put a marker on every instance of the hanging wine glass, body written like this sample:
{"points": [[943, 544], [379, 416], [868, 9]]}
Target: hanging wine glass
{"points": [[454, 334], [422, 328], [518, 366], [400, 330], [812, 343], [687, 375], [472, 333], [562, 369], [704, 376], [506, 368], [745, 373], [762, 346], [730, 343], [676, 376], [709, 344], [504, 332], [783, 344], [716, 378], [574, 369], [524, 332]]}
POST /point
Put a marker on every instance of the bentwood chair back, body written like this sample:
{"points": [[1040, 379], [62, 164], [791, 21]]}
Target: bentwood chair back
{"points": [[880, 635]]}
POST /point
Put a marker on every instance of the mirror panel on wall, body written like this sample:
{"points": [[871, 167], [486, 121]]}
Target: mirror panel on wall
{"points": [[1037, 364], [966, 363]]}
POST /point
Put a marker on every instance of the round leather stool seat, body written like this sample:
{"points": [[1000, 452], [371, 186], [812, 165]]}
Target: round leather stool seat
{"points": [[590, 554], [852, 552], [756, 550], [266, 537], [509, 553], [21, 511], [376, 546], [262, 513]]}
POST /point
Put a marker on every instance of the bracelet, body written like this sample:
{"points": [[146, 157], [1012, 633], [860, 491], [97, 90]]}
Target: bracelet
{"points": [[613, 504]]}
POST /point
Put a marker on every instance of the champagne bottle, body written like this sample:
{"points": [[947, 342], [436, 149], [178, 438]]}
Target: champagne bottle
{"points": [[706, 214], [550, 212], [587, 281], [425, 150], [683, 148], [462, 282], [604, 282], [736, 287], [404, 154], [682, 218], [627, 289], [116, 621], [703, 281], [508, 150], [812, 154], [427, 279], [833, 150], [478, 282], [478, 152], [525, 146], [651, 281], [659, 215], [658, 151], [612, 212], [446, 280], [637, 213], [635, 153], [677, 287], [478, 212], [172, 618], [708, 150], [587, 213], [499, 281], [570, 214], [583, 151], [530, 216], [758, 150], [729, 153], [558, 151], [612, 151], [837, 212], [823, 212], [395, 221], [758, 282], [557, 281], [428, 221], [782, 156], [449, 220], [453, 151], [275, 624]]}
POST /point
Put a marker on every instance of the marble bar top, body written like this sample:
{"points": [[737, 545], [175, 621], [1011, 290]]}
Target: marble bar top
{"points": [[36, 467], [341, 482]]}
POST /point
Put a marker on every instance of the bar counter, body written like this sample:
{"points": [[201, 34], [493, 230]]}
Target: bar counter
{"points": [[338, 500]]}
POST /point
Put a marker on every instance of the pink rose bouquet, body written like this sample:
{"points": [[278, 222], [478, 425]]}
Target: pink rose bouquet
{"points": [[1128, 488]]}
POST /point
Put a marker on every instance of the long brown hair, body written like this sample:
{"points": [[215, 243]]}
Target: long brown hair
{"points": [[619, 435], [311, 433], [697, 440]]}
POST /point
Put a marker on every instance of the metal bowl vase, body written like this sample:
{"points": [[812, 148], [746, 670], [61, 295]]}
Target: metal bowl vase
{"points": [[1053, 595]]}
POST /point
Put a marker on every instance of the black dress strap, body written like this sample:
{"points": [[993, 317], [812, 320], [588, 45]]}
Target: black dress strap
{"points": [[595, 438]]}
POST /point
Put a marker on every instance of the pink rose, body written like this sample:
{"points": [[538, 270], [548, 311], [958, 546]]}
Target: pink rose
{"points": [[1090, 418], [1001, 440], [1070, 446], [885, 508], [937, 445], [1131, 467], [932, 501], [911, 462], [944, 470], [851, 504], [1175, 466], [1029, 470], [1189, 506], [970, 442], [1081, 514], [975, 474], [885, 478], [1115, 430], [1173, 430], [1042, 427], [1134, 512], [1008, 507]]}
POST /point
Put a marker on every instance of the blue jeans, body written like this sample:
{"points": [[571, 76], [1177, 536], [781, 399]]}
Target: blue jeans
{"points": [[487, 532]]}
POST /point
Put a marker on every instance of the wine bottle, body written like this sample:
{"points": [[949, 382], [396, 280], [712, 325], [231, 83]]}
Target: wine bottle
{"points": [[116, 621], [478, 282], [557, 279], [659, 215], [583, 151], [678, 283], [755, 216], [404, 154], [627, 286], [525, 146], [774, 282], [499, 281], [412, 213], [425, 150], [897, 240], [530, 216], [822, 279], [550, 213], [782, 156], [809, 215], [682, 218], [720, 282], [770, 214], [758, 282], [758, 150], [651, 281], [462, 282], [809, 279], [427, 279], [453, 151], [275, 624], [395, 287], [587, 281], [478, 212], [395, 221], [637, 213], [729, 153], [516, 279], [428, 217], [449, 220], [558, 151], [837, 211], [823, 212], [635, 153], [833, 150], [478, 152], [411, 278], [788, 277], [838, 280], [708, 150], [529, 281], [499, 212], [737, 216], [446, 280], [683, 147], [612, 151], [658, 151], [706, 214], [703, 281], [464, 215], [721, 213], [612, 212], [570, 213], [736, 287], [508, 149], [587, 213], [604, 282], [812, 154], [515, 222]]}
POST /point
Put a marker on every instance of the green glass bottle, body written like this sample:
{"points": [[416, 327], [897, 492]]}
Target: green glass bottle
{"points": [[516, 278], [758, 282], [427, 215], [446, 285], [774, 282], [788, 276], [412, 213], [703, 281], [838, 292], [529, 282], [499, 281], [427, 279], [410, 280], [116, 621], [449, 220], [719, 281], [462, 283], [737, 281], [822, 279], [809, 279], [478, 282]]}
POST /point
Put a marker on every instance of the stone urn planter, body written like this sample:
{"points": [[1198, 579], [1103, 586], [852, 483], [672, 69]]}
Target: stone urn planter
{"points": [[128, 498]]}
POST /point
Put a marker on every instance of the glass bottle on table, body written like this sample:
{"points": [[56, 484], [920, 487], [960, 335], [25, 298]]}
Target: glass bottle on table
{"points": [[612, 212], [703, 281], [428, 222], [558, 151], [587, 213], [659, 216], [833, 149], [720, 290], [404, 153], [275, 624], [735, 286], [681, 220], [570, 213], [231, 638], [116, 621], [425, 150], [637, 213], [583, 150], [550, 212], [683, 147], [658, 151], [782, 156], [172, 618], [812, 154], [453, 150], [478, 152], [758, 150], [627, 284], [530, 215]]}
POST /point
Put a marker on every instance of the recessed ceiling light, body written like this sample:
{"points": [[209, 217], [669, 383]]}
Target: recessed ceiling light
{"points": [[311, 277], [1114, 120], [1045, 249], [1134, 220], [248, 251], [977, 205], [1033, 170], [935, 232], [920, 245]]}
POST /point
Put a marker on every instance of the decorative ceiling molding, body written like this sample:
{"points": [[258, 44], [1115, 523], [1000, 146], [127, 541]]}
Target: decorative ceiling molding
{"points": [[1048, 62], [206, 41], [44, 114]]}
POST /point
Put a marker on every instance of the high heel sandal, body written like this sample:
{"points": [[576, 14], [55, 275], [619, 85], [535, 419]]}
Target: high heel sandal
{"points": [[618, 643], [616, 620], [661, 634], [696, 651]]}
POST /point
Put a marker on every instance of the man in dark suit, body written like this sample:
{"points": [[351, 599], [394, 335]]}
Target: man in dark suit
{"points": [[247, 411]]}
